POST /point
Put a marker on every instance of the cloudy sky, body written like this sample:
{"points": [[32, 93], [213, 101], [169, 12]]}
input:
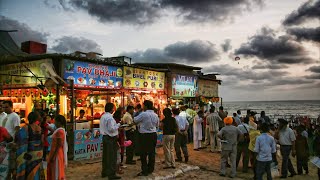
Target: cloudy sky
{"points": [[278, 41]]}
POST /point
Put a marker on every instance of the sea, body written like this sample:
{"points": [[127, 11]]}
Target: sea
{"points": [[276, 109]]}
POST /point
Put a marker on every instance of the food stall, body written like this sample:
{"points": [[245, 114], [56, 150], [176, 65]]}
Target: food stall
{"points": [[208, 92], [183, 89], [142, 84], [94, 85], [23, 84]]}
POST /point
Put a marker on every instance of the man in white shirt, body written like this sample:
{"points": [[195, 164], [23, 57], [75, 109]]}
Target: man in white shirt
{"points": [[109, 130], [130, 134], [12, 121], [2, 113], [181, 138], [148, 122]]}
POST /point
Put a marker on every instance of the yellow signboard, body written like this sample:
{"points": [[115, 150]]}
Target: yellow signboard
{"points": [[17, 75], [208, 88], [135, 78]]}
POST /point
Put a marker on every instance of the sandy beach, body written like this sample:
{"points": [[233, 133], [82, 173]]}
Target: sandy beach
{"points": [[208, 163]]}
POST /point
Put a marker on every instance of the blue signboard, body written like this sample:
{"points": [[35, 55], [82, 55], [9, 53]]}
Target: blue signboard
{"points": [[90, 75], [87, 144]]}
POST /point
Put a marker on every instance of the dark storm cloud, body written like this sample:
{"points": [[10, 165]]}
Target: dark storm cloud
{"points": [[244, 74], [60, 4], [195, 51], [134, 12], [315, 69], [269, 66], [313, 76], [308, 10], [309, 34], [69, 44], [291, 81], [266, 46], [24, 33], [141, 12], [209, 10], [226, 46]]}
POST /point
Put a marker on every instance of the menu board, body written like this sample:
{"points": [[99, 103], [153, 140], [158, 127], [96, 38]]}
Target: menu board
{"points": [[135, 78], [208, 88], [184, 85], [38, 68], [87, 145], [90, 75]]}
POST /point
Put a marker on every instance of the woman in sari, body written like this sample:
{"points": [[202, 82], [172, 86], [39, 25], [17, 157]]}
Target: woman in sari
{"points": [[58, 155], [5, 138], [29, 149]]}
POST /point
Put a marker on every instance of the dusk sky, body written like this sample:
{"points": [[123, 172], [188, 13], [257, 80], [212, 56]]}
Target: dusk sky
{"points": [[278, 41]]}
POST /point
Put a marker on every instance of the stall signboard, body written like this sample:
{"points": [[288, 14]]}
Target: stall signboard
{"points": [[87, 144], [208, 88], [184, 85], [90, 75], [135, 78], [24, 74]]}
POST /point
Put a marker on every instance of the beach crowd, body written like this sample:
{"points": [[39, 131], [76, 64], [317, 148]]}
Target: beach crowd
{"points": [[132, 131]]}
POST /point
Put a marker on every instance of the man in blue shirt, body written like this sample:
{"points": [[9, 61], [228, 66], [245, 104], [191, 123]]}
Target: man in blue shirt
{"points": [[148, 122], [265, 146]]}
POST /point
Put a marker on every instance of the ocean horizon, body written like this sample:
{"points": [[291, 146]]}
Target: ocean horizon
{"points": [[309, 108]]}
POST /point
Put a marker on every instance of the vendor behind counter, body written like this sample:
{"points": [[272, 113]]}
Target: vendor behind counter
{"points": [[82, 122]]}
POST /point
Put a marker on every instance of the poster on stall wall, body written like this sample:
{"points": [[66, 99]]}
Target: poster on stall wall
{"points": [[184, 85], [208, 88], [135, 78], [90, 75], [38, 68], [87, 145]]}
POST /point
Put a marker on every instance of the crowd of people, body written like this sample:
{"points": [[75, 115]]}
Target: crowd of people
{"points": [[247, 138], [24, 146], [133, 131]]}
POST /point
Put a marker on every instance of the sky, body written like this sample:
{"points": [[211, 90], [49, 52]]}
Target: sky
{"points": [[277, 41]]}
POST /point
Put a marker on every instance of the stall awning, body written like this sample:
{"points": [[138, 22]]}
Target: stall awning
{"points": [[28, 74]]}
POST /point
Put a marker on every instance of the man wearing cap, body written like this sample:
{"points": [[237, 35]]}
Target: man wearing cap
{"points": [[286, 138], [229, 136]]}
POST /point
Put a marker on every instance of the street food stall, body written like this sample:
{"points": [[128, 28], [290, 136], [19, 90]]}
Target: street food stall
{"points": [[142, 84], [23, 84], [94, 85], [183, 89], [208, 92]]}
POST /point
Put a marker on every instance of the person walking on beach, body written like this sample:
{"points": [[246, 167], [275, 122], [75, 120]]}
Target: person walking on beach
{"points": [[286, 138], [130, 134], [222, 115], [109, 130], [253, 133], [197, 131], [191, 113], [264, 147], [148, 122], [181, 136], [170, 128], [316, 145], [302, 151], [263, 118], [58, 158], [242, 148], [12, 123], [229, 136], [213, 124]]}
